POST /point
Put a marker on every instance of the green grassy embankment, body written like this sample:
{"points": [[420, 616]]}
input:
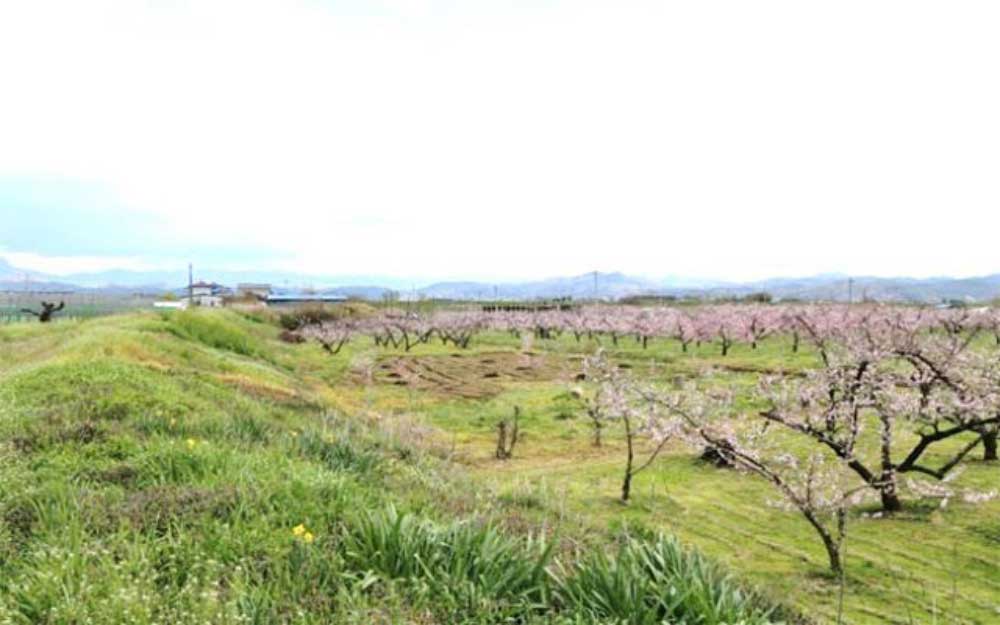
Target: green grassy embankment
{"points": [[191, 468]]}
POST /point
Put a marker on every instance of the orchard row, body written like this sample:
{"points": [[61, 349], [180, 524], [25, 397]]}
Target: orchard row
{"points": [[722, 325]]}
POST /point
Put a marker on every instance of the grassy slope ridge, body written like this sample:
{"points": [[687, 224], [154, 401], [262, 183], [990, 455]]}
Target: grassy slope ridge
{"points": [[189, 468]]}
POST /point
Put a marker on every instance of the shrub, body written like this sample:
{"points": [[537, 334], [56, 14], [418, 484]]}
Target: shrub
{"points": [[290, 336], [317, 313]]}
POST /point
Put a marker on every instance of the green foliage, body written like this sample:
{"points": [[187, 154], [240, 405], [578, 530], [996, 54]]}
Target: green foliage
{"points": [[337, 454], [651, 582], [466, 569], [212, 331], [476, 571]]}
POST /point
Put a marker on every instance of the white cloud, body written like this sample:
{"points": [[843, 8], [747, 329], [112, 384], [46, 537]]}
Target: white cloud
{"points": [[725, 139]]}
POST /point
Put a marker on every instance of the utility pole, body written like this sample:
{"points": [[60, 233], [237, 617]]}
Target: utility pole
{"points": [[850, 290], [190, 285]]}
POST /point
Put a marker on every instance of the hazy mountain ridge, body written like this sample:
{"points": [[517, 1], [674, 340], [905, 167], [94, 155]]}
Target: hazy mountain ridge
{"points": [[616, 285], [840, 288], [607, 285]]}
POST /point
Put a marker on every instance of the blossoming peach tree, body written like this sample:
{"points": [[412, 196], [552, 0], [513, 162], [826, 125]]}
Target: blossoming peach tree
{"points": [[887, 380], [620, 398]]}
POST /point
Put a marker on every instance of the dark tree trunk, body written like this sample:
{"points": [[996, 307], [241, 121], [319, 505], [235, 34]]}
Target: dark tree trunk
{"points": [[990, 445], [887, 478], [627, 485], [48, 310], [890, 498], [505, 445], [501, 453], [833, 553], [627, 482], [795, 342], [595, 418]]}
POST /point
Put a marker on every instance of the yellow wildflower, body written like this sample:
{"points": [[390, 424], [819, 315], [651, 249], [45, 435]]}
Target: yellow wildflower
{"points": [[191, 443], [308, 537], [299, 530]]}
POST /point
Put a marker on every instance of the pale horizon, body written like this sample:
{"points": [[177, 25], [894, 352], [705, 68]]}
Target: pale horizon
{"points": [[359, 279]]}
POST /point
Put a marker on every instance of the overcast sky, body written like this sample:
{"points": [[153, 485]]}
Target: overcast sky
{"points": [[502, 140]]}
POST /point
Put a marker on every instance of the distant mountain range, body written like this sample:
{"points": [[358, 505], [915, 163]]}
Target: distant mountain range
{"points": [[830, 287], [605, 285], [840, 288]]}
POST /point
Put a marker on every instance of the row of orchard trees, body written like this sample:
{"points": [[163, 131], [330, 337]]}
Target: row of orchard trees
{"points": [[397, 330], [722, 325], [901, 398], [940, 351], [726, 325]]}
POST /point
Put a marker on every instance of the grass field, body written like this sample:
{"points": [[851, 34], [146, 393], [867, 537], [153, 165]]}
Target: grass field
{"points": [[155, 467], [926, 565]]}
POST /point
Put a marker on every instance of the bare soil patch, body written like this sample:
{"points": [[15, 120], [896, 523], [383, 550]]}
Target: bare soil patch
{"points": [[474, 376]]}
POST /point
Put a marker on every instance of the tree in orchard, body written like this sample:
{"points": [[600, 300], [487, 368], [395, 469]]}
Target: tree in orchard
{"points": [[823, 483], [48, 310], [620, 399], [331, 335], [888, 373]]}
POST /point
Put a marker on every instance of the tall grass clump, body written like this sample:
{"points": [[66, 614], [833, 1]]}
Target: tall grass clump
{"points": [[336, 453], [460, 569], [656, 581], [469, 571]]}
